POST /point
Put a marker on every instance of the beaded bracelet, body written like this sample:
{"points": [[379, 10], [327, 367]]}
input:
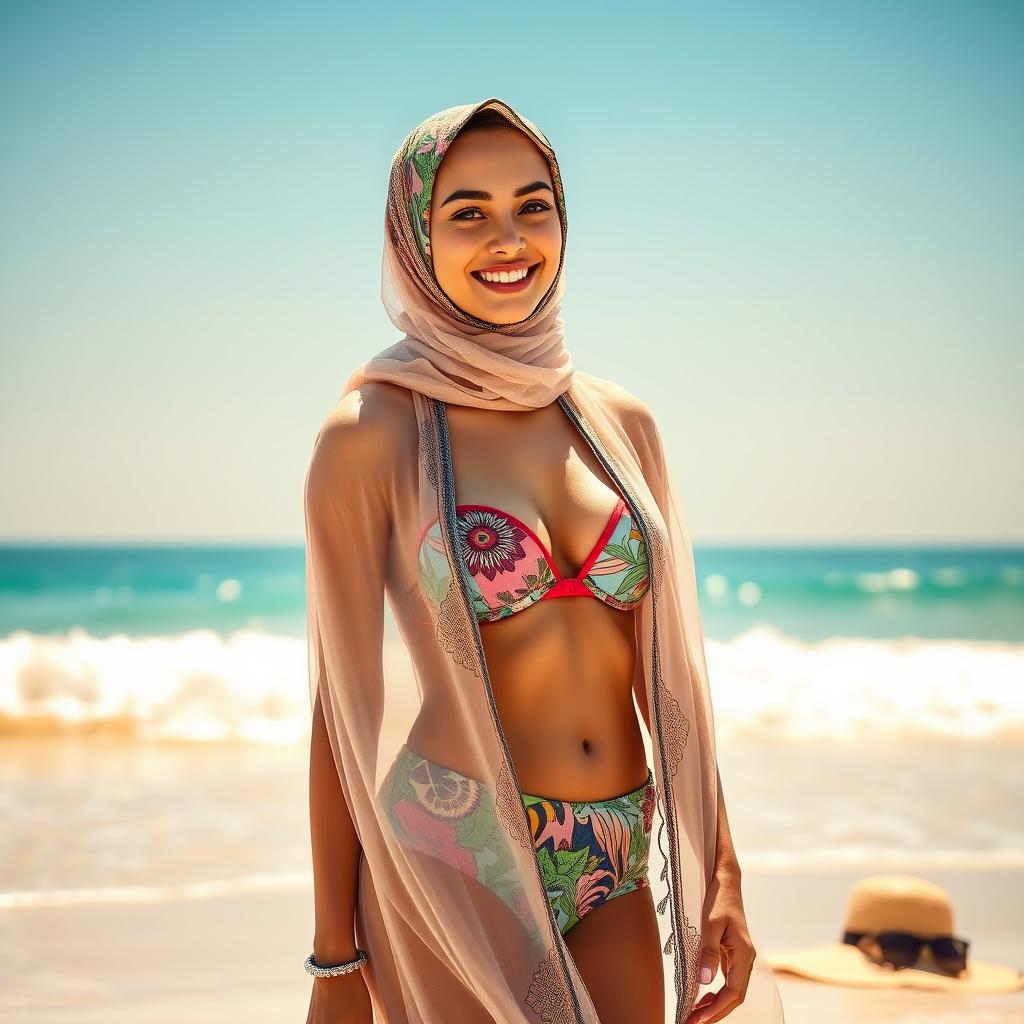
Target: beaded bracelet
{"points": [[312, 967]]}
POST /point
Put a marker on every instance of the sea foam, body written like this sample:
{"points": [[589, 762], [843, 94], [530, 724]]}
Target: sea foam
{"points": [[251, 686]]}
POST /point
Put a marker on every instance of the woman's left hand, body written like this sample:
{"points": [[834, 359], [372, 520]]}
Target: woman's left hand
{"points": [[726, 941]]}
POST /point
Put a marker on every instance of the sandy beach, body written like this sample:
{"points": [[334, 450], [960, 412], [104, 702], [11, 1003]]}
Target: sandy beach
{"points": [[239, 957], [186, 939]]}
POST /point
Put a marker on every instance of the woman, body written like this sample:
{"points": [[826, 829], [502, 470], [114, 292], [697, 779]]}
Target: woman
{"points": [[481, 805]]}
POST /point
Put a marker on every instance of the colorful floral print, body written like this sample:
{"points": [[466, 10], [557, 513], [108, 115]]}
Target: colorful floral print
{"points": [[423, 157], [492, 541], [509, 568], [445, 814], [588, 852]]}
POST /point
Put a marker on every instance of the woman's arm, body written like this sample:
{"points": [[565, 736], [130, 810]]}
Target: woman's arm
{"points": [[347, 504], [726, 865], [336, 852]]}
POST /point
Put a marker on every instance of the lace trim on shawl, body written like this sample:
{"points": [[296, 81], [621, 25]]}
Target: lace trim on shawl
{"points": [[676, 728], [547, 996], [676, 724], [450, 630], [509, 807], [691, 943], [428, 452]]}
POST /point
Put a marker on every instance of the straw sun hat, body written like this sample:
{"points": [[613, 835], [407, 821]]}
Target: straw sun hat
{"points": [[871, 955]]}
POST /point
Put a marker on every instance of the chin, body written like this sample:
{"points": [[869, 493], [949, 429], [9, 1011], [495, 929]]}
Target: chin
{"points": [[508, 316]]}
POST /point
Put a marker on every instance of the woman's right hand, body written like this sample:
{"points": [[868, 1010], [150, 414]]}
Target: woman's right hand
{"points": [[341, 1000]]}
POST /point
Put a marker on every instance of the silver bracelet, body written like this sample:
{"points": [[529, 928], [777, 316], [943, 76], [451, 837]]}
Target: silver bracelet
{"points": [[312, 967]]}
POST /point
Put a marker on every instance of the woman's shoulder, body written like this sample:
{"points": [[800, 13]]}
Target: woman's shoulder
{"points": [[365, 431], [376, 410], [631, 410]]}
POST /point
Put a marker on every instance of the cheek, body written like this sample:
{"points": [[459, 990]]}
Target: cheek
{"points": [[453, 253], [549, 240]]}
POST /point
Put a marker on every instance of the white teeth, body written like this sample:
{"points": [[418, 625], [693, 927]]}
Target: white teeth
{"points": [[504, 277]]}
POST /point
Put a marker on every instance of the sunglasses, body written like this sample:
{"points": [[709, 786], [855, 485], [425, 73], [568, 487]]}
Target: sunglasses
{"points": [[901, 949]]}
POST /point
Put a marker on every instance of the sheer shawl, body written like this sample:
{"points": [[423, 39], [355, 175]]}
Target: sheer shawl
{"points": [[453, 910]]}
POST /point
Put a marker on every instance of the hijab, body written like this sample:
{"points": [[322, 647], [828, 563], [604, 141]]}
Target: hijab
{"points": [[447, 353]]}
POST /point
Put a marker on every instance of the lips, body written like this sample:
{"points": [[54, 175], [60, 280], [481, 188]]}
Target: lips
{"points": [[511, 286]]}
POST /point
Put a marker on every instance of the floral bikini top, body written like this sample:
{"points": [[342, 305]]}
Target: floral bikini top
{"points": [[511, 568]]}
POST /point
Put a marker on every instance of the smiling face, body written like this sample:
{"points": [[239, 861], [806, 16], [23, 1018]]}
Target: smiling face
{"points": [[493, 215]]}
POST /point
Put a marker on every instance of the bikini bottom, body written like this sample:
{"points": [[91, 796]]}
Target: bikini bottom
{"points": [[589, 851]]}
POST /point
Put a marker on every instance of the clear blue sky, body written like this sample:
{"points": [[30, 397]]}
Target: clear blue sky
{"points": [[795, 229]]}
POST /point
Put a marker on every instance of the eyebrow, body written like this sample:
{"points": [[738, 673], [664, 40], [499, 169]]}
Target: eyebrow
{"points": [[468, 193]]}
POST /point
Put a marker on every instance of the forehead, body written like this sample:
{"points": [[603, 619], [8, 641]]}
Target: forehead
{"points": [[497, 154]]}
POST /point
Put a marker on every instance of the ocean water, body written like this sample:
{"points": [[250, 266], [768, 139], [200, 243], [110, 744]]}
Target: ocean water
{"points": [[198, 643], [808, 593], [154, 710]]}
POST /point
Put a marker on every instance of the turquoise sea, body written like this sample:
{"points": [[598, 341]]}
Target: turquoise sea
{"points": [[808, 593], [154, 710], [208, 642]]}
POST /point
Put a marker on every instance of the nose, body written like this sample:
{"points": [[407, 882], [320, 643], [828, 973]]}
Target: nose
{"points": [[507, 240]]}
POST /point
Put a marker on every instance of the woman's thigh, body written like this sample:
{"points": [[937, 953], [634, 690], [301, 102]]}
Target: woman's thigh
{"points": [[618, 952]]}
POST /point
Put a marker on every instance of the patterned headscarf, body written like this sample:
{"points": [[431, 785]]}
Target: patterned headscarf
{"points": [[448, 353]]}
